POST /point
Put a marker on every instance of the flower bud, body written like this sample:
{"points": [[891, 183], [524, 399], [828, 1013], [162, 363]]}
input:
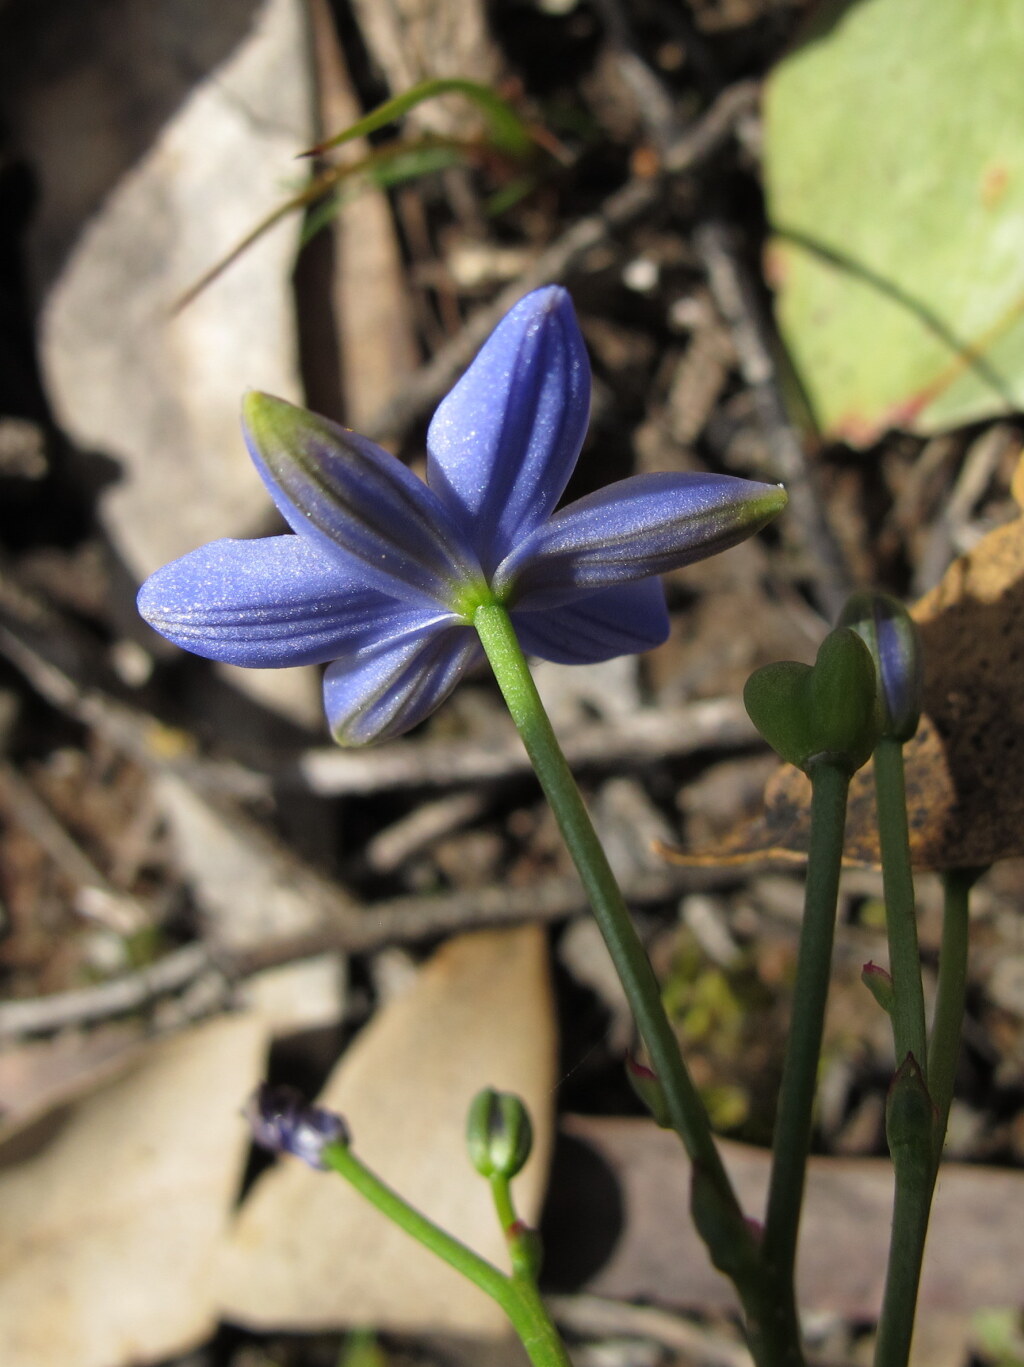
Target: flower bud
{"points": [[825, 711], [890, 633], [282, 1122], [499, 1135], [647, 1085], [731, 1242], [843, 698], [910, 1123], [878, 981]]}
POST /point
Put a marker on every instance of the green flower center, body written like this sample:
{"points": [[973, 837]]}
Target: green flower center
{"points": [[477, 594]]}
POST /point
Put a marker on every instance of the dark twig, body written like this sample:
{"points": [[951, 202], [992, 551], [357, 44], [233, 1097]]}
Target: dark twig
{"points": [[706, 69], [564, 255], [740, 304]]}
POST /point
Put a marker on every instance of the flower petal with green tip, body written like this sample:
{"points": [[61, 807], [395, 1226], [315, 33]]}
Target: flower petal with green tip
{"points": [[632, 530], [357, 502]]}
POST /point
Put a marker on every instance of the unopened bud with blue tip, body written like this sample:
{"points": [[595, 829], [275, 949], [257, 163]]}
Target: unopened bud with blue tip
{"points": [[890, 633], [283, 1122]]}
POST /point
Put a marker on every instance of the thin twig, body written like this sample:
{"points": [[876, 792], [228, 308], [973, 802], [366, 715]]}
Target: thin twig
{"points": [[413, 920], [636, 738], [740, 305], [428, 822], [656, 104], [117, 997], [130, 730], [598, 1317], [918, 497], [646, 735], [947, 535], [400, 920], [564, 255]]}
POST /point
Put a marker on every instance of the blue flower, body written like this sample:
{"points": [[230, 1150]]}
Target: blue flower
{"points": [[384, 571], [283, 1122]]}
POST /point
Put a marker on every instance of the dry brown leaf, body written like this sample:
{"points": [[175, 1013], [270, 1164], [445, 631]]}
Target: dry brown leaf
{"points": [[307, 1252], [965, 799], [36, 1076], [974, 1258], [372, 316], [160, 394], [108, 1229]]}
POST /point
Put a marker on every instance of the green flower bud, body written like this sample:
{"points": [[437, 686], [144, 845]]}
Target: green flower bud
{"points": [[825, 711], [732, 1241], [499, 1135], [910, 1123], [879, 983], [890, 633], [843, 698], [647, 1085]]}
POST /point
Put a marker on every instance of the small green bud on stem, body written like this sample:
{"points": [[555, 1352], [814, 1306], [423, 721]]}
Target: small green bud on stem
{"points": [[910, 1123], [878, 981], [645, 1083], [499, 1135], [821, 712], [732, 1241]]}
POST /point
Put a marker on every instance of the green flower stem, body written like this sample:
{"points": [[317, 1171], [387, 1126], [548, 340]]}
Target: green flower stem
{"points": [[524, 1249], [908, 1021], [520, 1302], [732, 1247], [793, 1124], [501, 1194], [916, 1171], [910, 1212], [685, 1108], [944, 1047], [914, 1188]]}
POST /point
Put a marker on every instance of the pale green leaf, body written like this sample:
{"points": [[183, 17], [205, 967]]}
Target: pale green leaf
{"points": [[894, 172]]}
